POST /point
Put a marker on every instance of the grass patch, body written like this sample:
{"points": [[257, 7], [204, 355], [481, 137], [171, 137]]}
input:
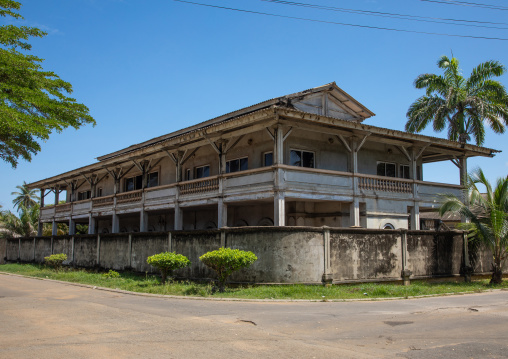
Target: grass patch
{"points": [[147, 283]]}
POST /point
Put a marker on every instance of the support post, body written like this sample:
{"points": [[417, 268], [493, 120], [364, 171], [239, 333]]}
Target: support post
{"points": [[91, 224], [143, 221], [415, 217], [406, 273], [57, 195], [178, 217], [98, 250], [40, 228], [115, 223], [223, 238], [222, 212], [327, 277], [467, 269], [72, 226], [279, 206], [130, 250], [354, 213], [54, 228], [170, 242]]}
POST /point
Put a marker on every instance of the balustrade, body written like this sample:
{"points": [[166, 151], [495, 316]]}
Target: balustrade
{"points": [[207, 185], [388, 184]]}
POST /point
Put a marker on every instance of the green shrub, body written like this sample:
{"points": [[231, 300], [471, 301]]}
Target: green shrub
{"points": [[55, 260], [167, 262], [225, 261], [112, 274]]}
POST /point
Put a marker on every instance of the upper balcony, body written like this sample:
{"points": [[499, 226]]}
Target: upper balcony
{"points": [[296, 182]]}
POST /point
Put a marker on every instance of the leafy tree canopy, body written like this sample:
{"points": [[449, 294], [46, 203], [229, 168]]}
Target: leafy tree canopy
{"points": [[33, 102], [463, 105]]}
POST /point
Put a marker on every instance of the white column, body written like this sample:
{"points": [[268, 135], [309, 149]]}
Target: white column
{"points": [[415, 217], [54, 228], [178, 217], [222, 211], [72, 226], [115, 223], [279, 209], [143, 221], [278, 146], [91, 224], [354, 213]]}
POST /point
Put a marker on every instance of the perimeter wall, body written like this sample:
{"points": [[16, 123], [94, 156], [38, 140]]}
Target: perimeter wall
{"points": [[285, 254]]}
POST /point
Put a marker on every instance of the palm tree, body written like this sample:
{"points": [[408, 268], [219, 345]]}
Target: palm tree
{"points": [[463, 105], [23, 226], [25, 198], [488, 216]]}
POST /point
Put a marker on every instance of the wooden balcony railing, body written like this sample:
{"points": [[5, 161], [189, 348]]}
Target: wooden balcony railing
{"points": [[129, 197], [103, 201], [63, 208], [387, 184], [202, 186]]}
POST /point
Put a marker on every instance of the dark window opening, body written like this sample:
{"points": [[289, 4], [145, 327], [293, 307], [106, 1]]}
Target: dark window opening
{"points": [[84, 195], [268, 159], [386, 169], [301, 158], [240, 164], [201, 172]]}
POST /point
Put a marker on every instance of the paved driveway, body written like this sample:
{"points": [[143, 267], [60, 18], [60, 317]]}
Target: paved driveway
{"points": [[45, 319]]}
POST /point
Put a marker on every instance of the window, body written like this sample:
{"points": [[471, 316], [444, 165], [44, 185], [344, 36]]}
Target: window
{"points": [[404, 171], [240, 164], [201, 172], [153, 180], [134, 183], [84, 195], [187, 174], [386, 169], [301, 158], [268, 159], [99, 192]]}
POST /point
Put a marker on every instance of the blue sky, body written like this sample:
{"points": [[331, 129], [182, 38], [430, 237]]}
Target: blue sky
{"points": [[149, 68]]}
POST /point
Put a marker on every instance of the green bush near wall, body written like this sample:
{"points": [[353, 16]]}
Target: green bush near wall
{"points": [[225, 261], [167, 262], [55, 261]]}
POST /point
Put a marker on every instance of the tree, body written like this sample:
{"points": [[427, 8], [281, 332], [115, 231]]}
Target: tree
{"points": [[25, 198], [33, 102], [167, 262], [225, 261], [462, 105], [488, 216], [23, 226]]}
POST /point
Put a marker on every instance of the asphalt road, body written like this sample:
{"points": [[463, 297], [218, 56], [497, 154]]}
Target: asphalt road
{"points": [[45, 319]]}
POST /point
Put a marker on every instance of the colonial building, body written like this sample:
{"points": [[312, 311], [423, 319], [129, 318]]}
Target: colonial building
{"points": [[304, 159]]}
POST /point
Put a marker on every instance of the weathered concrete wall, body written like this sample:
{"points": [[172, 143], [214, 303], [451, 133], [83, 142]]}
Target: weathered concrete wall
{"points": [[145, 245], [12, 250], [193, 245], [85, 250], [114, 252], [26, 249], [42, 248], [3, 247], [285, 254], [63, 244], [364, 254], [434, 254]]}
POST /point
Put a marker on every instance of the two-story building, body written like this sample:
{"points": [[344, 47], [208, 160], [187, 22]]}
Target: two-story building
{"points": [[304, 159]]}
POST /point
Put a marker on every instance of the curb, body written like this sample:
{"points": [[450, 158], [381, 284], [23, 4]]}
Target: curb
{"points": [[169, 296]]}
